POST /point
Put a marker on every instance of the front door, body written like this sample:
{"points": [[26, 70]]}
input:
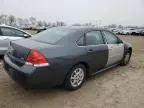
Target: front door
{"points": [[116, 48], [97, 50]]}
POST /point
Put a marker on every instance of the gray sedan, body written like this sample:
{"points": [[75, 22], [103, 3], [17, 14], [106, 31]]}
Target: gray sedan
{"points": [[64, 55], [7, 34]]}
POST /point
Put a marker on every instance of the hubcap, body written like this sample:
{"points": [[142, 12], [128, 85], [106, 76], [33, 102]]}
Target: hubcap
{"points": [[127, 57], [77, 77]]}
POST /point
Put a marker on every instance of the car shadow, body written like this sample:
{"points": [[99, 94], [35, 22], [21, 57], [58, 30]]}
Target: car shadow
{"points": [[50, 93]]}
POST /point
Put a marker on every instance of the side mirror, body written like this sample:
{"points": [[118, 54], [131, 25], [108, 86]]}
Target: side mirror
{"points": [[119, 41], [26, 36]]}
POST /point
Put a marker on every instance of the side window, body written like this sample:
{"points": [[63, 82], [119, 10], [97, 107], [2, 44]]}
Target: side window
{"points": [[6, 31], [94, 38], [17, 33], [110, 38], [0, 32], [80, 42], [11, 32]]}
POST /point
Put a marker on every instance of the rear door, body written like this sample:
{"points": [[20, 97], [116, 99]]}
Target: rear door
{"points": [[97, 50], [116, 48]]}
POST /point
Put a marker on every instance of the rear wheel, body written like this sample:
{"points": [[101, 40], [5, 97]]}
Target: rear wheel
{"points": [[75, 77]]}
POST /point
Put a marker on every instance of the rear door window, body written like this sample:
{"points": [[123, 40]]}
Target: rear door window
{"points": [[81, 42], [94, 38], [6, 31]]}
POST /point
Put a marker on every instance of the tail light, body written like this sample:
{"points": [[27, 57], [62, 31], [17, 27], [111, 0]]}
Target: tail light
{"points": [[36, 58]]}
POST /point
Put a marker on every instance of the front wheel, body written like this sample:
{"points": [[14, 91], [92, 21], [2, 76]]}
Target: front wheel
{"points": [[75, 77], [126, 59]]}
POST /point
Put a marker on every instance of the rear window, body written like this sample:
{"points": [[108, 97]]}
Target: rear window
{"points": [[52, 35]]}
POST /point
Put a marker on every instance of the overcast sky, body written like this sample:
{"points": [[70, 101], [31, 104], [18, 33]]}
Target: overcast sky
{"points": [[125, 12]]}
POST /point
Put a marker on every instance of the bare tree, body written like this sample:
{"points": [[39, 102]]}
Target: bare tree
{"points": [[58, 23], [49, 24], [88, 24], [20, 22], [11, 20], [112, 26], [53, 24], [63, 24], [120, 26], [3, 19], [45, 24], [77, 24], [40, 24], [32, 21], [27, 23]]}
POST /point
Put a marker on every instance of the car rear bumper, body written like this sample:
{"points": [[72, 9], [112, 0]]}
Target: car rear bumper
{"points": [[32, 77]]}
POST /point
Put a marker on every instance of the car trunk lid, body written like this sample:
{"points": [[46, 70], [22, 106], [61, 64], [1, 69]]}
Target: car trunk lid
{"points": [[19, 50]]}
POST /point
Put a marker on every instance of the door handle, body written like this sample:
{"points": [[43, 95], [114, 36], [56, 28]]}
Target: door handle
{"points": [[90, 50]]}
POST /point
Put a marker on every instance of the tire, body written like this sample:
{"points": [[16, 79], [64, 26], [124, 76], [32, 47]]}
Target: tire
{"points": [[126, 59], [127, 33], [75, 78]]}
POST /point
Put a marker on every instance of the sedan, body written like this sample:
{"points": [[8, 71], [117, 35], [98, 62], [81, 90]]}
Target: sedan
{"points": [[64, 55], [7, 34]]}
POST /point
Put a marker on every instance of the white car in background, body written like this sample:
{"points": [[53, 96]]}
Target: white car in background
{"points": [[141, 32], [7, 34], [125, 32], [115, 30], [130, 31]]}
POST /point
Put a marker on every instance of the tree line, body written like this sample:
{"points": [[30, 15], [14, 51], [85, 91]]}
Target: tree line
{"points": [[33, 23], [30, 22]]}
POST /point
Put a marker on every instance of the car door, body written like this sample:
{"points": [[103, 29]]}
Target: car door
{"points": [[2, 44], [3, 38], [97, 50], [9, 34], [115, 46]]}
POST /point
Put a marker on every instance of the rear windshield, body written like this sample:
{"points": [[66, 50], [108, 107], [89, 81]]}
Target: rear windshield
{"points": [[52, 35]]}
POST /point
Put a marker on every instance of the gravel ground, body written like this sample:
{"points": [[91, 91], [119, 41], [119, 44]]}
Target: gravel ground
{"points": [[120, 87]]}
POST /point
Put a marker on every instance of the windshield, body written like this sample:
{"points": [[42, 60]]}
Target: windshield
{"points": [[52, 35]]}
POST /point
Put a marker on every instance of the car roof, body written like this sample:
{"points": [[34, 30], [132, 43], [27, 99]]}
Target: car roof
{"points": [[15, 28], [8, 26]]}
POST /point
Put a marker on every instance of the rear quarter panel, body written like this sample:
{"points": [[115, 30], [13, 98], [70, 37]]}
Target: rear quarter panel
{"points": [[62, 58]]}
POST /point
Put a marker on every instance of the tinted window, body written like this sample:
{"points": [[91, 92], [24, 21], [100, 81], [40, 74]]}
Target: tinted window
{"points": [[110, 38], [17, 33], [0, 32], [11, 32], [80, 42], [6, 31], [52, 35], [94, 38]]}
